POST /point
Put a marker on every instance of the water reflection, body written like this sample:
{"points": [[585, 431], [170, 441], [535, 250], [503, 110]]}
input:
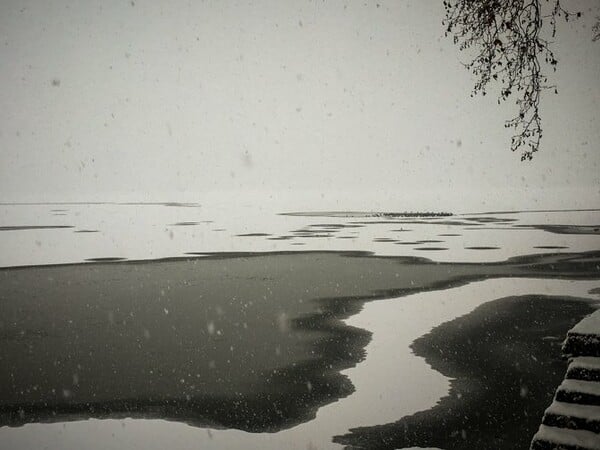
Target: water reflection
{"points": [[389, 384], [250, 341], [222, 341]]}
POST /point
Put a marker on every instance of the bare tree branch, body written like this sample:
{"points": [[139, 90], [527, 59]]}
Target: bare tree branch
{"points": [[511, 41]]}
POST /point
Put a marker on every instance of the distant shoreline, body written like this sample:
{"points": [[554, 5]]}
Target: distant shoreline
{"points": [[328, 213]]}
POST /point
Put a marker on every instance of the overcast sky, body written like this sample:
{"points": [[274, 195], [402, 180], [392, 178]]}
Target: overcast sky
{"points": [[352, 104]]}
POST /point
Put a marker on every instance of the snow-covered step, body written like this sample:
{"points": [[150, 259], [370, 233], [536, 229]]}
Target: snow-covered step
{"points": [[578, 391], [584, 338], [552, 438], [584, 368], [572, 421], [573, 415]]}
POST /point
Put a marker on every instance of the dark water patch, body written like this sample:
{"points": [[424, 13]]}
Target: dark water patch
{"points": [[86, 231], [429, 241], [456, 223], [565, 229], [106, 259], [534, 211], [346, 237], [407, 243], [140, 343], [254, 341], [495, 220], [559, 261], [298, 243], [384, 239], [328, 225], [219, 229], [170, 204], [431, 248], [550, 247], [503, 376], [34, 227], [184, 224], [253, 235], [181, 205], [309, 230], [281, 238], [55, 203], [482, 247], [308, 233], [449, 234], [401, 230]]}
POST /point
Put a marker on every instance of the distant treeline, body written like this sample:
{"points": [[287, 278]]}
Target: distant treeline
{"points": [[412, 214], [363, 214]]}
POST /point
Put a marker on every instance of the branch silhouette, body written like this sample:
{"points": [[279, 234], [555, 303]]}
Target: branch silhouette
{"points": [[511, 40]]}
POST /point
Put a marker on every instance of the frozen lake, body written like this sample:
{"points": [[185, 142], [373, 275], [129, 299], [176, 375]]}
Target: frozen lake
{"points": [[71, 233], [377, 378]]}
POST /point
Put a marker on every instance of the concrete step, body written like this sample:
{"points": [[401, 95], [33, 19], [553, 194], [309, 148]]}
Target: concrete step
{"points": [[552, 438], [582, 344], [572, 421], [584, 338], [584, 368], [573, 416], [578, 391]]}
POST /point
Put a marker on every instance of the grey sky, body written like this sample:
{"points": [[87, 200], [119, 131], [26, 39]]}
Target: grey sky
{"points": [[330, 100]]}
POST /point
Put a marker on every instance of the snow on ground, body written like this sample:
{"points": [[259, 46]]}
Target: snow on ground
{"points": [[585, 362], [580, 386], [590, 412], [589, 325], [576, 438]]}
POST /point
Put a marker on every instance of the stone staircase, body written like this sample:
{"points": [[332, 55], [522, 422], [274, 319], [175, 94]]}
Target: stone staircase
{"points": [[572, 422]]}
